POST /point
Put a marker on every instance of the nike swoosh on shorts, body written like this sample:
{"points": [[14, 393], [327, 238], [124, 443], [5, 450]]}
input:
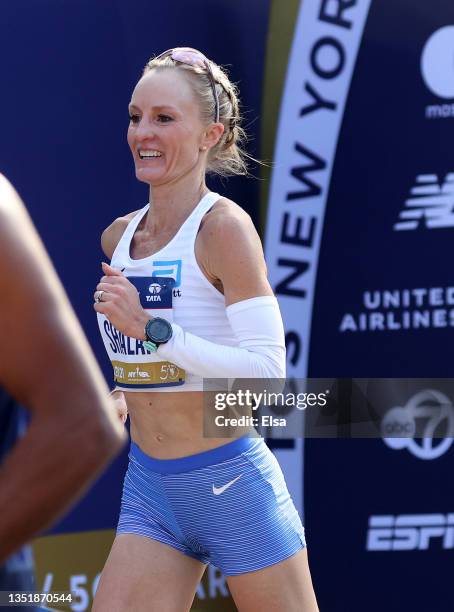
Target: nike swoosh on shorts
{"points": [[219, 490]]}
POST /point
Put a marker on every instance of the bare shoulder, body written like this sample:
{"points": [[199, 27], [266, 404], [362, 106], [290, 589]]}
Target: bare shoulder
{"points": [[231, 252], [228, 234], [112, 234], [227, 220]]}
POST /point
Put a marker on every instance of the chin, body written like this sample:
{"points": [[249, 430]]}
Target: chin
{"points": [[147, 176]]}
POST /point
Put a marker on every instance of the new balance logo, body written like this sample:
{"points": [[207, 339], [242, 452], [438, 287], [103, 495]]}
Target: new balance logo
{"points": [[410, 532], [431, 204]]}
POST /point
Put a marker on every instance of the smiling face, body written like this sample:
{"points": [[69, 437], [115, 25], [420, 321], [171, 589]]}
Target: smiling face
{"points": [[166, 133]]}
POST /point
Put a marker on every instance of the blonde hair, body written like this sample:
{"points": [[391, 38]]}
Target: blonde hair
{"points": [[227, 157]]}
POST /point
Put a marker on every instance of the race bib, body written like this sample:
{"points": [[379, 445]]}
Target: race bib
{"points": [[134, 366]]}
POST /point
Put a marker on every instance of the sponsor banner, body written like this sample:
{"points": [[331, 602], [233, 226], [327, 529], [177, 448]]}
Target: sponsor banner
{"points": [[320, 67], [325, 43], [384, 301], [381, 509]]}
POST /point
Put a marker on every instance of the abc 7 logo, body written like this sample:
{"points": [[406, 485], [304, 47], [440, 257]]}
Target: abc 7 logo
{"points": [[435, 411]]}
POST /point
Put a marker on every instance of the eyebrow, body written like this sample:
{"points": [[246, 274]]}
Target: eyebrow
{"points": [[158, 106]]}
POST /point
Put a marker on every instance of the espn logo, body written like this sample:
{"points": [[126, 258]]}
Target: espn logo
{"points": [[431, 204], [411, 532]]}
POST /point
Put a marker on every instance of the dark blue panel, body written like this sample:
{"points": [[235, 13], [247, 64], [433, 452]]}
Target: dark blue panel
{"points": [[387, 141]]}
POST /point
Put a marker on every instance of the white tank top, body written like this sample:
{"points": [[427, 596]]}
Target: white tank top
{"points": [[198, 307]]}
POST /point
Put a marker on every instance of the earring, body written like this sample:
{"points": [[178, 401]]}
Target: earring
{"points": [[203, 148]]}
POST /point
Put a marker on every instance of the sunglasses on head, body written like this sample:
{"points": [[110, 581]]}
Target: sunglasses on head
{"points": [[191, 57]]}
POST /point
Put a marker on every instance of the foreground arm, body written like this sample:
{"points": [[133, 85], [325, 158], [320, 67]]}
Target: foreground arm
{"points": [[47, 365]]}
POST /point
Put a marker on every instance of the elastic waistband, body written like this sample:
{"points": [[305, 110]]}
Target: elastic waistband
{"points": [[193, 462]]}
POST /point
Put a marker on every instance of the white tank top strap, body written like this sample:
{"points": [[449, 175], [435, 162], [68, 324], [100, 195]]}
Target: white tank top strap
{"points": [[189, 229], [206, 203], [124, 243], [132, 225]]}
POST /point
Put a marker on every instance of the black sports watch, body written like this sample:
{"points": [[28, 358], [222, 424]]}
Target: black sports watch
{"points": [[158, 331]]}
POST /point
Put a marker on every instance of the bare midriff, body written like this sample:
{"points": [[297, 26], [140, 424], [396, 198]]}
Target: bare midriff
{"points": [[171, 425]]}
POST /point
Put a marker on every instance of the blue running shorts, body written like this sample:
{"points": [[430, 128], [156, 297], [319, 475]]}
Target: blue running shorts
{"points": [[228, 506]]}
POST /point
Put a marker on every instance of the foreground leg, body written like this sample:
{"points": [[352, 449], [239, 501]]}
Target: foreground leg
{"points": [[143, 575], [284, 586]]}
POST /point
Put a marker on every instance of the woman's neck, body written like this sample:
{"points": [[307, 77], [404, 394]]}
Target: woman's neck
{"points": [[171, 204]]}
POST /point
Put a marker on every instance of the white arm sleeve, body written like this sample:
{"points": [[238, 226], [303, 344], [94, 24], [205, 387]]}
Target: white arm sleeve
{"points": [[257, 323]]}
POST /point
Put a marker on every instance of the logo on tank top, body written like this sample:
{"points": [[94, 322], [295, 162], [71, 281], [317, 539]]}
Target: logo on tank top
{"points": [[169, 269], [154, 289]]}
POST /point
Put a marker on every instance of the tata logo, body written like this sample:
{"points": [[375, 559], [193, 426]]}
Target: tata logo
{"points": [[424, 426], [410, 532], [154, 289], [170, 269]]}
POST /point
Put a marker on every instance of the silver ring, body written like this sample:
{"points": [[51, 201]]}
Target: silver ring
{"points": [[99, 296]]}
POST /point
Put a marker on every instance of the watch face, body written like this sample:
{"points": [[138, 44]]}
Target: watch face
{"points": [[158, 330]]}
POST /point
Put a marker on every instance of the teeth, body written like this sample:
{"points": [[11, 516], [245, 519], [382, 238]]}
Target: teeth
{"points": [[144, 154]]}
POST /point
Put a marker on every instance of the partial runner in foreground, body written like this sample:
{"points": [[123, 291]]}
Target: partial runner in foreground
{"points": [[46, 366]]}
